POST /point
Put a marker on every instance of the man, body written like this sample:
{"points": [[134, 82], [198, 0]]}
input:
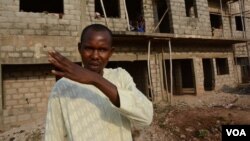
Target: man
{"points": [[92, 103]]}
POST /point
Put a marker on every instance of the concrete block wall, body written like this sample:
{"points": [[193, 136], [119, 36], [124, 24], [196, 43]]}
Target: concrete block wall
{"points": [[148, 10], [26, 89], [33, 49], [15, 22], [197, 53], [156, 78], [236, 10], [225, 82], [27, 36], [240, 50], [225, 30], [187, 26]]}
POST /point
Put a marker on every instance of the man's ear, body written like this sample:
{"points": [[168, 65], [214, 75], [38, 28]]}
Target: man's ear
{"points": [[112, 50], [79, 47]]}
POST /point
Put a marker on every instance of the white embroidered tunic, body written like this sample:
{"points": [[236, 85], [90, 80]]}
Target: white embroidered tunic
{"points": [[80, 112]]}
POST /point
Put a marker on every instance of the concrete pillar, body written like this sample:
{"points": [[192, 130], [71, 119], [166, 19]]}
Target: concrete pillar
{"points": [[178, 80]]}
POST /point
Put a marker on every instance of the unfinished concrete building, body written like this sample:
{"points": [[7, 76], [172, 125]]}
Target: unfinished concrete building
{"points": [[170, 47]]}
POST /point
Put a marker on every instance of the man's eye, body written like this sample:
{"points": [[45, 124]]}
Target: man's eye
{"points": [[102, 50], [88, 49]]}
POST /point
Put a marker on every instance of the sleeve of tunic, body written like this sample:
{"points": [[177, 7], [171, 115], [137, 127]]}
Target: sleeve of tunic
{"points": [[55, 127], [134, 104]]}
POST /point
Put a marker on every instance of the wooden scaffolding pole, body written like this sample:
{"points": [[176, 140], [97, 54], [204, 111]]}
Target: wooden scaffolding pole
{"points": [[170, 95], [171, 71], [149, 71], [104, 12], [221, 11], [165, 74], [126, 12], [242, 18]]}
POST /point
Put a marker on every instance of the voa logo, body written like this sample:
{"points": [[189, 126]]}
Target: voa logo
{"points": [[236, 132]]}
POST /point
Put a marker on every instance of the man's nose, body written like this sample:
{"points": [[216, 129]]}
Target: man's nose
{"points": [[95, 54]]}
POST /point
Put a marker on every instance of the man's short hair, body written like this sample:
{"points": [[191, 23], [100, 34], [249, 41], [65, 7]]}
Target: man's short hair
{"points": [[97, 28]]}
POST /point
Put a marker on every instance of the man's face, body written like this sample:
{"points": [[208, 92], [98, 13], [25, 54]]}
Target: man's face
{"points": [[95, 50]]}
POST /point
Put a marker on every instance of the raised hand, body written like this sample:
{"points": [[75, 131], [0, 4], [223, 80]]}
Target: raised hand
{"points": [[69, 69]]}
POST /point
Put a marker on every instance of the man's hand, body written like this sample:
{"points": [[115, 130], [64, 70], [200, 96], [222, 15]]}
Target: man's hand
{"points": [[69, 69], [79, 74]]}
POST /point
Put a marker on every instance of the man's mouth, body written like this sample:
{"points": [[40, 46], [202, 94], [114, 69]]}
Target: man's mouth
{"points": [[94, 65]]}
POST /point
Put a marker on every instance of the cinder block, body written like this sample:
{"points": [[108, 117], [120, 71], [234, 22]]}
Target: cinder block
{"points": [[3, 19], [24, 117], [10, 91], [35, 100], [53, 32], [63, 21], [34, 26], [20, 25], [53, 21], [35, 89], [17, 96], [14, 54], [23, 90], [41, 20], [11, 102], [7, 48], [64, 33], [29, 95], [15, 31], [6, 25], [27, 54]]}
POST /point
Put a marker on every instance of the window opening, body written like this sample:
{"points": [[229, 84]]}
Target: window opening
{"points": [[191, 9], [165, 24], [238, 23], [47, 6], [140, 76], [222, 66], [215, 20], [136, 16], [112, 8]]}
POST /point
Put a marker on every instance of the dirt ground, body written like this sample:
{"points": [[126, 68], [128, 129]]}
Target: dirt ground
{"points": [[189, 118]]}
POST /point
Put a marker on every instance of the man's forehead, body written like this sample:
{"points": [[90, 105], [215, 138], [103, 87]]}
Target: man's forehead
{"points": [[91, 34]]}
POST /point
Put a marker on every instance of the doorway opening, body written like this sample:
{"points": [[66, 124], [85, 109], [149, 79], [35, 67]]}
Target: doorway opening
{"points": [[208, 71], [140, 76], [183, 76]]}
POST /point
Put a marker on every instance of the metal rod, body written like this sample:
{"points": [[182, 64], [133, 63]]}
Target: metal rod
{"points": [[161, 20], [149, 70], [104, 12], [126, 12]]}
